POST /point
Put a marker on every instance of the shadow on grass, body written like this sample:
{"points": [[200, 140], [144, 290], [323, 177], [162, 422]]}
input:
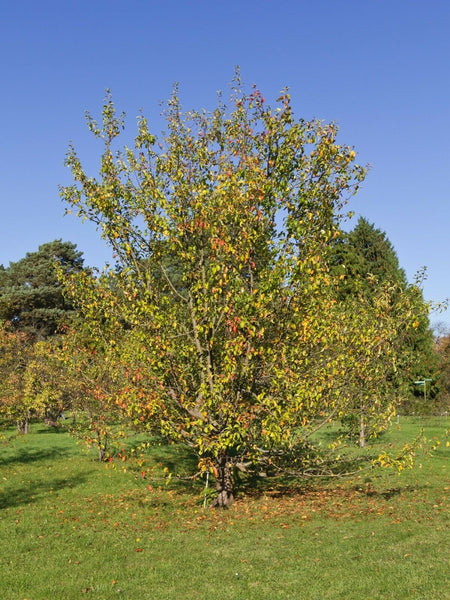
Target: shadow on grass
{"points": [[25, 456], [52, 429], [331, 491], [352, 439], [391, 492], [178, 460], [36, 490], [274, 487]]}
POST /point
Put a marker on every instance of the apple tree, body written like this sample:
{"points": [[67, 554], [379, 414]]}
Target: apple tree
{"points": [[221, 228]]}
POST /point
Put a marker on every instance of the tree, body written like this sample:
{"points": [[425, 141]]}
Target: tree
{"points": [[221, 229], [31, 297], [16, 352], [365, 259], [45, 384], [32, 308], [366, 263], [424, 360], [91, 369], [376, 389], [441, 402]]}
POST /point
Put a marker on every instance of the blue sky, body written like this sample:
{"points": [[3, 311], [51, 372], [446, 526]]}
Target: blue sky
{"points": [[380, 68]]}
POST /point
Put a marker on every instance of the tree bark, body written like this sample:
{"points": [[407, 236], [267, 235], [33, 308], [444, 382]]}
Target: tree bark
{"points": [[224, 484], [362, 431], [23, 426]]}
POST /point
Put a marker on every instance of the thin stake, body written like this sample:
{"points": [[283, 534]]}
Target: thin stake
{"points": [[206, 487]]}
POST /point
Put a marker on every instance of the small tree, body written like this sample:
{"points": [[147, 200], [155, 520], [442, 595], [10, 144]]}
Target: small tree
{"points": [[32, 308], [221, 230], [84, 375], [367, 268], [16, 352], [45, 383], [441, 403]]}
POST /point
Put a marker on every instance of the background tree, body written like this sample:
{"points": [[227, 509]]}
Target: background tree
{"points": [[366, 264], [424, 363], [45, 383], [244, 350], [32, 308], [16, 352], [440, 404], [31, 297], [91, 366], [364, 258]]}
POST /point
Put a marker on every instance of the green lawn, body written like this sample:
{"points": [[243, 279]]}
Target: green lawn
{"points": [[72, 528]]}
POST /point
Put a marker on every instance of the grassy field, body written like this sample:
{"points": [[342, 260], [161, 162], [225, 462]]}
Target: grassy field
{"points": [[71, 528]]}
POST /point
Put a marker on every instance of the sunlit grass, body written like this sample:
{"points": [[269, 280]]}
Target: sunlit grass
{"points": [[72, 528]]}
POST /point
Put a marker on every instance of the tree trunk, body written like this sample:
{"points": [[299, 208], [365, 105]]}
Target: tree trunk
{"points": [[51, 419], [362, 431], [102, 444], [23, 426], [224, 484]]}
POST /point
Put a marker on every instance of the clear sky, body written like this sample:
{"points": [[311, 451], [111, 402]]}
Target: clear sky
{"points": [[380, 68]]}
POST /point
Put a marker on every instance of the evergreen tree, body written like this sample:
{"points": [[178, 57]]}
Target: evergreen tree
{"points": [[365, 259], [31, 297]]}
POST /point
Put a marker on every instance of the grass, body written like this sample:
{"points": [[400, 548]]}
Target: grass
{"points": [[72, 528]]}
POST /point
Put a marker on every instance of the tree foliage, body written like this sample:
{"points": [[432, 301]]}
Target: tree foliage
{"points": [[366, 263], [16, 353], [441, 403], [234, 342], [365, 259], [31, 297], [32, 311]]}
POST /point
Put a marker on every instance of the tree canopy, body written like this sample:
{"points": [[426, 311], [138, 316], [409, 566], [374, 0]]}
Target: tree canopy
{"points": [[31, 296], [365, 261], [235, 343]]}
